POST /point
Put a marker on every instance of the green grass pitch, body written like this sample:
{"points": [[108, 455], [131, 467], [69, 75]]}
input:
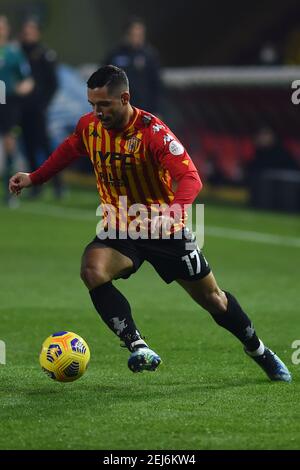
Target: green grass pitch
{"points": [[206, 395]]}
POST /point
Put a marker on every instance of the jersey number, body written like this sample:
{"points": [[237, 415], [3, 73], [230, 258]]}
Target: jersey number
{"points": [[188, 258]]}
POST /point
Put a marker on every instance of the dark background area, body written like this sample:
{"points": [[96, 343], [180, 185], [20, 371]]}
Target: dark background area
{"points": [[219, 122], [186, 33]]}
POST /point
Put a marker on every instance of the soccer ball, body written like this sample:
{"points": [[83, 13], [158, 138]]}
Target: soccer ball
{"points": [[64, 356]]}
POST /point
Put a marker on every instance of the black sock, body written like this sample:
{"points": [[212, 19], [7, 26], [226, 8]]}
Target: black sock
{"points": [[238, 323], [115, 311]]}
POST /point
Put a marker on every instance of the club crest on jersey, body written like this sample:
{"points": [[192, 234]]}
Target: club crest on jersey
{"points": [[132, 144]]}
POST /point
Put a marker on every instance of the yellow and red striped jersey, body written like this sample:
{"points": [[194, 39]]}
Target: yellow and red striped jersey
{"points": [[142, 161], [136, 162]]}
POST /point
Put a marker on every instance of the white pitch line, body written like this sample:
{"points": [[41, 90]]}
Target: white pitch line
{"points": [[251, 236], [213, 231], [59, 212]]}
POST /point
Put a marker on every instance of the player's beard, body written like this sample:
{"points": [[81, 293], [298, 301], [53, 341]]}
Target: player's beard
{"points": [[116, 122]]}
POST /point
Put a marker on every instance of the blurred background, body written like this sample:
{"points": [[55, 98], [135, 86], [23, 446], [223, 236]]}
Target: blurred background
{"points": [[219, 74]]}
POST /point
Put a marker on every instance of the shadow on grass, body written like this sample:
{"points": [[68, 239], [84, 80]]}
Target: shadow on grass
{"points": [[139, 391]]}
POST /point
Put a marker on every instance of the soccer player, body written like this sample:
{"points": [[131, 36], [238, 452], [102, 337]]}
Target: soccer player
{"points": [[136, 155]]}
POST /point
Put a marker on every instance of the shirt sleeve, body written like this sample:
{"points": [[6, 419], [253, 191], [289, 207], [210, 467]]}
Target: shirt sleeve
{"points": [[70, 150], [172, 156]]}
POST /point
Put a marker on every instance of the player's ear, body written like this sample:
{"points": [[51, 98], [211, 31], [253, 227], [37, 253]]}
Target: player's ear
{"points": [[125, 97]]}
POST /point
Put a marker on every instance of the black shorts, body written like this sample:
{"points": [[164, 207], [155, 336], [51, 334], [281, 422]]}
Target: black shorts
{"points": [[172, 259]]}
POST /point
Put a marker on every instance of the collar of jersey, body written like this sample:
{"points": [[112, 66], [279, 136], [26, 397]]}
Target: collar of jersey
{"points": [[129, 126]]}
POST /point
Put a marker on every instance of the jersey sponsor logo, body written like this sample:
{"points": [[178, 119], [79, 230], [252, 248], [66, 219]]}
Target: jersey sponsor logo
{"points": [[110, 157], [110, 180], [176, 148]]}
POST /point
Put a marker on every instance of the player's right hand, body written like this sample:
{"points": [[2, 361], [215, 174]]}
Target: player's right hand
{"points": [[18, 182]]}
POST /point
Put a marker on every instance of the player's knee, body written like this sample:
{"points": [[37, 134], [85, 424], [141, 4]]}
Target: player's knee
{"points": [[215, 302], [94, 276]]}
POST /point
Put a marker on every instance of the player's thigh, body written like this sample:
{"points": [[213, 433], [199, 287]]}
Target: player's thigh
{"points": [[103, 263], [205, 292]]}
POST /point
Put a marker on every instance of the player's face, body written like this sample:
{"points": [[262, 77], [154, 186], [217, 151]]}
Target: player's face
{"points": [[110, 109]]}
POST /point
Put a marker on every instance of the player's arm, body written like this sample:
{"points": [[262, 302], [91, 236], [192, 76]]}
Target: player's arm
{"points": [[172, 156], [69, 151]]}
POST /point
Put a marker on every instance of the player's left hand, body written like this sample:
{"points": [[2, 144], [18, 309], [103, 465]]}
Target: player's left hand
{"points": [[18, 182], [161, 224]]}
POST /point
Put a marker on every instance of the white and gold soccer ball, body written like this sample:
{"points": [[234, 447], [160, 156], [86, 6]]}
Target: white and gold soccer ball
{"points": [[64, 356]]}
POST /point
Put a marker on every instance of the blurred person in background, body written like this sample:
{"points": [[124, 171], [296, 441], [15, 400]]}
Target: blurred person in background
{"points": [[15, 73], [141, 63], [35, 105], [270, 155]]}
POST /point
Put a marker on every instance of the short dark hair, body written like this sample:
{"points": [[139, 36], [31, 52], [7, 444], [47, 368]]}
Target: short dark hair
{"points": [[110, 76]]}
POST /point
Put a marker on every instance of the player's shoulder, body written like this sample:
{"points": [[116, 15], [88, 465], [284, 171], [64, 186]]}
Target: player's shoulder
{"points": [[151, 122], [158, 135]]}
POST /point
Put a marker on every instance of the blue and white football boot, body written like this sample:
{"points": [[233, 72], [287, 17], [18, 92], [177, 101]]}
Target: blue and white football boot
{"points": [[143, 358], [275, 369]]}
